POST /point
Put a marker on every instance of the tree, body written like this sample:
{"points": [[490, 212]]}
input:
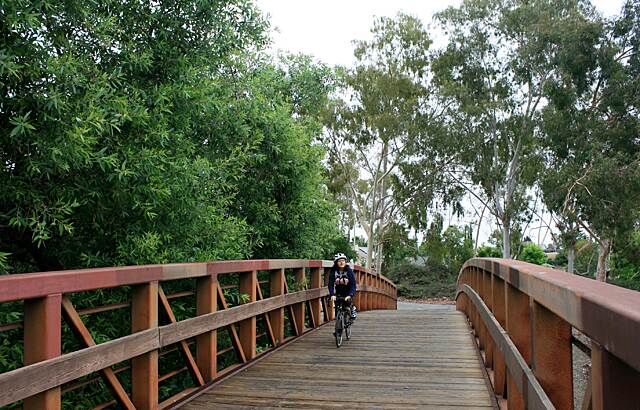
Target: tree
{"points": [[491, 77], [370, 133], [451, 247], [283, 195], [591, 128], [150, 133], [102, 152], [398, 246]]}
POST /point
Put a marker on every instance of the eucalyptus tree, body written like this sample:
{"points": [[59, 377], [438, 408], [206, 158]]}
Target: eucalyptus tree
{"points": [[592, 125], [491, 76], [372, 128]]}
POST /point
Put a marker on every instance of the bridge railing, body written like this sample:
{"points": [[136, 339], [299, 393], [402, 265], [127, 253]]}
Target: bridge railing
{"points": [[523, 315], [290, 300]]}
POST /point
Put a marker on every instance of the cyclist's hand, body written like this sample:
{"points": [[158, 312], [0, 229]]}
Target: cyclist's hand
{"points": [[333, 298], [348, 298]]}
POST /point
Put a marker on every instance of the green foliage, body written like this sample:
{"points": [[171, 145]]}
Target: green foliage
{"points": [[340, 244], [487, 251], [282, 194], [431, 280], [532, 253], [398, 246], [625, 263], [144, 153], [104, 139], [590, 132], [4, 263], [451, 248]]}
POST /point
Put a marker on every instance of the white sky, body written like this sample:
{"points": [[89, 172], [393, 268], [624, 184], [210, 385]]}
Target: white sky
{"points": [[325, 29]]}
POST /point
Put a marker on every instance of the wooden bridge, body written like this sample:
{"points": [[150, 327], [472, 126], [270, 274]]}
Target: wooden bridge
{"points": [[257, 334]]}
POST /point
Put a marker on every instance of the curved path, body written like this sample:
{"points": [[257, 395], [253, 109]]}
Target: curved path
{"points": [[415, 357]]}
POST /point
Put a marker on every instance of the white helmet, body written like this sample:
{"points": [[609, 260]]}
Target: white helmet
{"points": [[339, 256]]}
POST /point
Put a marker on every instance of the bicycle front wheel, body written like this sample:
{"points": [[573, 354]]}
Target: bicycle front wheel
{"points": [[339, 328]]}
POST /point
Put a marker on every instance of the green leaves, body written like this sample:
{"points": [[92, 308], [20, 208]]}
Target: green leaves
{"points": [[532, 253], [137, 134], [21, 124]]}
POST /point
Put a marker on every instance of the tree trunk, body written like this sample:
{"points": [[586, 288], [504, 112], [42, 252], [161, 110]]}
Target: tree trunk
{"points": [[571, 257], [379, 257], [475, 248], [604, 247], [369, 250], [506, 238]]}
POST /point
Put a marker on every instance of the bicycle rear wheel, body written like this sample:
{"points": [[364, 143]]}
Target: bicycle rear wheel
{"points": [[339, 327]]}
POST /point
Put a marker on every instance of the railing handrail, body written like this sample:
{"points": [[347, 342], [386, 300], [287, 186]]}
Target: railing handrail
{"points": [[38, 284], [608, 314]]}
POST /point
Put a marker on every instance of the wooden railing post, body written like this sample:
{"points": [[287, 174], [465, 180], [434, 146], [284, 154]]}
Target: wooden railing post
{"points": [[614, 384], [488, 300], [367, 295], [42, 340], [499, 311], [315, 283], [552, 356], [299, 308], [207, 343], [356, 300], [248, 284], [519, 330], [276, 317], [330, 310], [144, 368]]}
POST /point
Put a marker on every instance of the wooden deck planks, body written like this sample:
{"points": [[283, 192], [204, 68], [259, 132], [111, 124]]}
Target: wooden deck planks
{"points": [[395, 360]]}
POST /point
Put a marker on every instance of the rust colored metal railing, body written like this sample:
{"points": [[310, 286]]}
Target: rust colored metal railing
{"points": [[47, 373], [523, 315]]}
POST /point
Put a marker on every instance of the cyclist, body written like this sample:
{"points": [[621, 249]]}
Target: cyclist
{"points": [[342, 282]]}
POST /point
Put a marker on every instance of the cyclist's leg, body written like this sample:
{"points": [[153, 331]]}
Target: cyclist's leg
{"points": [[353, 310]]}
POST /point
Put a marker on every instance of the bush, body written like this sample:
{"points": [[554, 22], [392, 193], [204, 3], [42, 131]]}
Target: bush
{"points": [[488, 252], [532, 253], [430, 281]]}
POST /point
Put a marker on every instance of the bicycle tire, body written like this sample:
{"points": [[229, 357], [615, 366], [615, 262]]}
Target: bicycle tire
{"points": [[338, 332]]}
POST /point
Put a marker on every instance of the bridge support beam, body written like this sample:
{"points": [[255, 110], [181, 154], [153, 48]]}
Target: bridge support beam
{"points": [[315, 283], [248, 285], [488, 300], [519, 329], [144, 368], [276, 317], [207, 343], [42, 341], [552, 356], [614, 384], [299, 308], [499, 311]]}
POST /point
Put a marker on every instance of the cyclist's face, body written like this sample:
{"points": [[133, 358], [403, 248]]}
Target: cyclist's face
{"points": [[342, 263]]}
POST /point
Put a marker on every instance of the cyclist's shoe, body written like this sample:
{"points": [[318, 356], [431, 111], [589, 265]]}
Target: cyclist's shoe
{"points": [[354, 313]]}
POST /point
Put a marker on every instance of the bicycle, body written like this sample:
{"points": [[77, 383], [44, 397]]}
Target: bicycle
{"points": [[343, 320]]}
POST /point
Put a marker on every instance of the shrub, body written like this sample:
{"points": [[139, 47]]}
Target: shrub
{"points": [[489, 252], [532, 253]]}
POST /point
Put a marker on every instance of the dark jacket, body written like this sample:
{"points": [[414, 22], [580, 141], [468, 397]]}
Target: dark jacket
{"points": [[337, 279]]}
